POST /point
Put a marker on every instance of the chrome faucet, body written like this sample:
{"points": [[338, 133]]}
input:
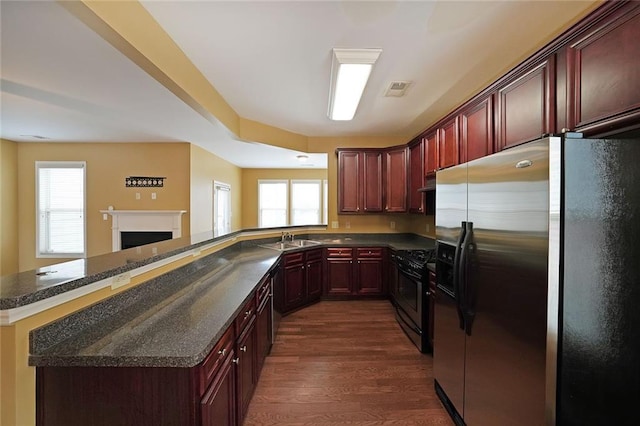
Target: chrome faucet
{"points": [[287, 235]]}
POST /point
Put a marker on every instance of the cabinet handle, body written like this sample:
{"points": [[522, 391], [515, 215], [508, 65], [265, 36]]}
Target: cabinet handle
{"points": [[351, 261], [302, 266], [236, 360], [369, 251], [222, 351], [244, 348], [358, 261], [246, 314]]}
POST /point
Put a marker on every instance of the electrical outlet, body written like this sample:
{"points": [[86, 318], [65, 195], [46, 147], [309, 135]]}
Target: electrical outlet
{"points": [[428, 227], [335, 224], [120, 280], [392, 225], [153, 195], [137, 195], [347, 225], [104, 216]]}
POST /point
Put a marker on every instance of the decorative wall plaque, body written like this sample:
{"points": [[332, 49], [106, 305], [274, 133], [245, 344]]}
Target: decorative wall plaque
{"points": [[144, 182]]}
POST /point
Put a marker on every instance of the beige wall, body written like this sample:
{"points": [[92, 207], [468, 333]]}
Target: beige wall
{"points": [[205, 168], [107, 166], [250, 179], [8, 207]]}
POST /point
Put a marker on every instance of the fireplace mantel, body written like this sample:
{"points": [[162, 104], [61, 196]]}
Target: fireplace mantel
{"points": [[143, 220]]}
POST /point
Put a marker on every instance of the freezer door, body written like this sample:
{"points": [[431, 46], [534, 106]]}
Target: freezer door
{"points": [[451, 203], [506, 291]]}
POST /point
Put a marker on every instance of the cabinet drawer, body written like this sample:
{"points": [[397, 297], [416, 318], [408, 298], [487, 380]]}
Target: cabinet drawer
{"points": [[340, 252], [245, 315], [314, 254], [369, 252], [293, 258], [214, 360], [263, 291]]}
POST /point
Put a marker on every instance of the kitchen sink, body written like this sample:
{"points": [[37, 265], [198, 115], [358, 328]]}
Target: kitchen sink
{"points": [[289, 245]]}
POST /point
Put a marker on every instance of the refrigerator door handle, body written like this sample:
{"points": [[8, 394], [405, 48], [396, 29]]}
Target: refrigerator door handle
{"points": [[456, 274], [463, 284]]}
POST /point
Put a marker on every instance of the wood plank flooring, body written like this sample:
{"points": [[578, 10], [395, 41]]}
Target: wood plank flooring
{"points": [[345, 363]]}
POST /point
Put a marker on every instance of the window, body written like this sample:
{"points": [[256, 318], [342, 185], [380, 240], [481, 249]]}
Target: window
{"points": [[221, 208], [272, 203], [60, 208], [306, 202]]}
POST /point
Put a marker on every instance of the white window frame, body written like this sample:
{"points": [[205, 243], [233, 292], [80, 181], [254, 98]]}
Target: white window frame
{"points": [[64, 165], [217, 187], [325, 201], [320, 199], [286, 182]]}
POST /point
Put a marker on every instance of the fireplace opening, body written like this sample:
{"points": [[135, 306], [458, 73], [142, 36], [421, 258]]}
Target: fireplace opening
{"points": [[139, 238]]}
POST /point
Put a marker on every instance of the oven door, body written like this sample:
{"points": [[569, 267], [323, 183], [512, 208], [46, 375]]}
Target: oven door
{"points": [[409, 309]]}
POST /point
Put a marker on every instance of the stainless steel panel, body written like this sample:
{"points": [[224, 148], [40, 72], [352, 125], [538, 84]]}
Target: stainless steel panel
{"points": [[448, 350], [508, 197], [451, 202]]}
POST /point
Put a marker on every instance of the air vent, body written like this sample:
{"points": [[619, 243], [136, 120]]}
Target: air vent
{"points": [[397, 88]]}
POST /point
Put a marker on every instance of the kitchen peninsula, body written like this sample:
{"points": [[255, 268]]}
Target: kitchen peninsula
{"points": [[172, 320]]}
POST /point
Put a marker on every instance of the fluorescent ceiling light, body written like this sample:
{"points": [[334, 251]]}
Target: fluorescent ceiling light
{"points": [[350, 70], [302, 158]]}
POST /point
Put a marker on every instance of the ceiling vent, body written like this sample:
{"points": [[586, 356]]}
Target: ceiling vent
{"points": [[397, 88]]}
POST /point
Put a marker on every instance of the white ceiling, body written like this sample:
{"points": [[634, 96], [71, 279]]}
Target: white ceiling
{"points": [[269, 60]]}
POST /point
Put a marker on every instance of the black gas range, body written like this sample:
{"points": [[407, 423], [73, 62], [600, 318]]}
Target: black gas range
{"points": [[410, 295]]}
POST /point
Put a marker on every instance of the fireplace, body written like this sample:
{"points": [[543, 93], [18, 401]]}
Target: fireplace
{"points": [[130, 239], [147, 226]]}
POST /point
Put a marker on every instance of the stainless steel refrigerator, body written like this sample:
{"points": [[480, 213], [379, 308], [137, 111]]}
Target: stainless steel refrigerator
{"points": [[537, 313]]}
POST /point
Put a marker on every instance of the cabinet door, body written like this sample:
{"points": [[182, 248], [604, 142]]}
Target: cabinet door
{"points": [[314, 279], [396, 180], [476, 131], [294, 278], [218, 405], [526, 106], [369, 277], [431, 153], [372, 181], [246, 371], [448, 144], [339, 277], [604, 76], [349, 194], [263, 334], [416, 177]]}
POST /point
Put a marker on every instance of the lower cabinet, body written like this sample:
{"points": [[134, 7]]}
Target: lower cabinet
{"points": [[218, 405], [432, 305], [355, 271], [264, 325], [246, 368], [302, 278]]}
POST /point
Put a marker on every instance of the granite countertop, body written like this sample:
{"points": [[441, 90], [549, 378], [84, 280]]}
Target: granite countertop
{"points": [[28, 287], [175, 320], [172, 321]]}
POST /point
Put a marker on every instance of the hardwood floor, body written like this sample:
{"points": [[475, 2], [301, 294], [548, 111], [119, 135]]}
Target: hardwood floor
{"points": [[345, 363]]}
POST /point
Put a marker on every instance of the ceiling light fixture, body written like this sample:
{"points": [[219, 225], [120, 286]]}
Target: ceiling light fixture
{"points": [[302, 158], [350, 70]]}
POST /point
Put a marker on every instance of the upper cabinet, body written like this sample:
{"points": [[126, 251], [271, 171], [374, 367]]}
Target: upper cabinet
{"points": [[360, 181], [396, 180], [416, 176], [603, 76], [430, 152], [449, 144], [526, 105], [476, 130]]}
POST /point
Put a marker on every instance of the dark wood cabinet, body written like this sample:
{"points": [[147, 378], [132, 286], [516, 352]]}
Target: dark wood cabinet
{"points": [[476, 130], [603, 76], [246, 368], [526, 105], [355, 272], [302, 278], [431, 157], [395, 194], [360, 181], [369, 272], [416, 176], [339, 277], [392, 278], [264, 330], [218, 405], [448, 144]]}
